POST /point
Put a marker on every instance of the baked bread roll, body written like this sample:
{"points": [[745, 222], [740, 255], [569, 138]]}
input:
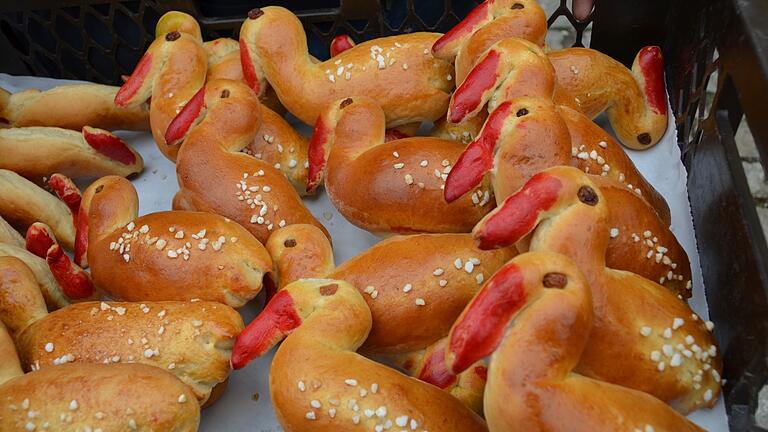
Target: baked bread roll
{"points": [[317, 381], [72, 107], [666, 350], [39, 152], [413, 289], [515, 68], [172, 255], [215, 126], [587, 80], [411, 283], [534, 318], [399, 72], [170, 72], [394, 186], [23, 203], [528, 134], [192, 340], [82, 396]]}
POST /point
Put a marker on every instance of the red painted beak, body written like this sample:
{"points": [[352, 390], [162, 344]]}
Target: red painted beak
{"points": [[249, 70], [39, 239], [435, 370], [135, 81], [448, 45], [109, 145], [480, 328], [394, 135], [652, 68], [73, 280], [341, 43], [317, 153], [67, 191], [278, 319], [81, 237], [472, 94], [519, 214], [183, 121], [477, 158]]}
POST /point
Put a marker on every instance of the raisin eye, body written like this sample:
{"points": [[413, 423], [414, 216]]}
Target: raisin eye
{"points": [[555, 280], [644, 138], [588, 196], [255, 13]]}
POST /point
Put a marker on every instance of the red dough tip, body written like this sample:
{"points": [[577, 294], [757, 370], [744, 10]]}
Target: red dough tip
{"points": [[278, 319], [109, 145]]}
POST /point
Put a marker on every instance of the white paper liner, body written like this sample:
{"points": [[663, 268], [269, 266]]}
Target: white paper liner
{"points": [[236, 410]]}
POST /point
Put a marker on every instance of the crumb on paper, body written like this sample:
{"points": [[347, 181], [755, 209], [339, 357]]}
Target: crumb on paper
{"points": [[327, 215]]}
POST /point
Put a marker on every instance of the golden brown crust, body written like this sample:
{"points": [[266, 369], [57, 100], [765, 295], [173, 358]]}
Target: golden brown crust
{"points": [[394, 186], [463, 132], [409, 83], [176, 255], [72, 107], [192, 340], [9, 362], [280, 146], [76, 397], [9, 235], [319, 357], [299, 252], [23, 203], [51, 290], [38, 152], [171, 71], [642, 243], [545, 324], [596, 152], [224, 63], [665, 349], [528, 22], [592, 82], [21, 302], [395, 276], [399, 320], [249, 191]]}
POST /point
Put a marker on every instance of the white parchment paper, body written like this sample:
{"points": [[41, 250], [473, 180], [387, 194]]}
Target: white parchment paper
{"points": [[237, 410]]}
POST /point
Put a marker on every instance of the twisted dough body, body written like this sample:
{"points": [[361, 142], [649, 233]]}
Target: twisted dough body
{"points": [[534, 316], [276, 142], [399, 72], [220, 122], [666, 350], [412, 287], [587, 80], [170, 72], [405, 176], [173, 255], [318, 382]]}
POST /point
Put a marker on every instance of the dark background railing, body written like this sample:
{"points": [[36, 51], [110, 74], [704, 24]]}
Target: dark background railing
{"points": [[721, 45]]}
